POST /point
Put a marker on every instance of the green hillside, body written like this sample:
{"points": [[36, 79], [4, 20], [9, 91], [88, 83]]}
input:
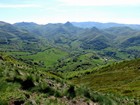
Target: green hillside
{"points": [[120, 78], [48, 57], [23, 85]]}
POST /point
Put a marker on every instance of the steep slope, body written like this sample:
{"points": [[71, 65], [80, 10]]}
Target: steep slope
{"points": [[121, 33], [22, 84], [119, 78], [133, 41], [126, 40], [95, 39]]}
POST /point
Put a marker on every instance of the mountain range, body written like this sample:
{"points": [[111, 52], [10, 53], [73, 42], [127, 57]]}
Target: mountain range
{"points": [[104, 25], [89, 60], [67, 36]]}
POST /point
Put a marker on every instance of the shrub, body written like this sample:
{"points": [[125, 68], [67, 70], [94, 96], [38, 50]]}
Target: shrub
{"points": [[71, 92]]}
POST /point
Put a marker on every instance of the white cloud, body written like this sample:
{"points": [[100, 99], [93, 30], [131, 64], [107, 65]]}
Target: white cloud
{"points": [[18, 6], [100, 2]]}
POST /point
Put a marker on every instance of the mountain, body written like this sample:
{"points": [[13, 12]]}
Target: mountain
{"points": [[94, 39], [121, 33], [16, 39], [64, 64], [104, 25], [114, 43], [48, 29], [56, 33], [131, 42], [25, 25], [69, 38]]}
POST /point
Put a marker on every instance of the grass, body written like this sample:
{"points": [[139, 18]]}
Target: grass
{"points": [[19, 53], [49, 57], [120, 78], [21, 83], [134, 48], [79, 62]]}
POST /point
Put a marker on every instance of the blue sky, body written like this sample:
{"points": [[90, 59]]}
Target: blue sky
{"points": [[57, 11]]}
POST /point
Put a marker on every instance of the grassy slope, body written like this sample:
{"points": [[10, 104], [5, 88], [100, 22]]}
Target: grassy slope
{"points": [[57, 57], [49, 57], [120, 78], [80, 61], [22, 84]]}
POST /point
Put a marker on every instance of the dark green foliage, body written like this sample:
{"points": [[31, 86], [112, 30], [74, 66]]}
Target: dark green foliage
{"points": [[27, 84], [17, 102], [71, 92], [134, 41], [49, 90], [95, 44]]}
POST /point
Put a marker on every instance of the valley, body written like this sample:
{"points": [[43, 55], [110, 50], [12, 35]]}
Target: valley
{"points": [[69, 64]]}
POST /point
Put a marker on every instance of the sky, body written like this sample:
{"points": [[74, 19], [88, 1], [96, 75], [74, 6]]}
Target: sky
{"points": [[61, 11]]}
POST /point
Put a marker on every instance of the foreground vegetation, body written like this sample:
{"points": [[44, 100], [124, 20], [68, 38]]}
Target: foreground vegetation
{"points": [[119, 78], [22, 84]]}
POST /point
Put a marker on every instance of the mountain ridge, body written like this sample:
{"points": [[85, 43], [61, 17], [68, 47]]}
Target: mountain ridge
{"points": [[66, 35], [101, 25], [44, 63]]}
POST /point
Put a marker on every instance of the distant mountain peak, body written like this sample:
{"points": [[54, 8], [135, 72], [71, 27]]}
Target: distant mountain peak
{"points": [[3, 23], [104, 25], [120, 29], [26, 23], [94, 28], [68, 24]]}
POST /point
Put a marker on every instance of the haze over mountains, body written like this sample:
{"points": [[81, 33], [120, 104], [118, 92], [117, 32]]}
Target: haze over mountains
{"points": [[54, 57], [104, 25], [114, 43], [123, 38]]}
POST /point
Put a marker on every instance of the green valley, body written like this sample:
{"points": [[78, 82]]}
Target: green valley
{"points": [[68, 64]]}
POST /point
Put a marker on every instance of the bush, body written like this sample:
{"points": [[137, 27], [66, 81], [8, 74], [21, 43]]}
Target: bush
{"points": [[71, 92]]}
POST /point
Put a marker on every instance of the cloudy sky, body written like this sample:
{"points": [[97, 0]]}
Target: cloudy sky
{"points": [[55, 11]]}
